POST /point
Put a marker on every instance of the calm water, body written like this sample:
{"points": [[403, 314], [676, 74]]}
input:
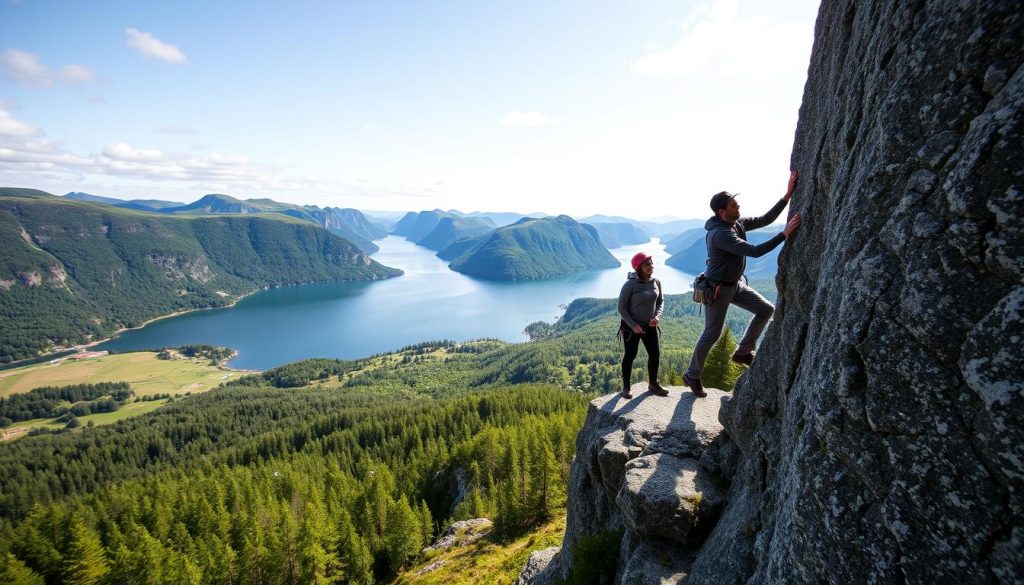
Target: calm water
{"points": [[356, 319]]}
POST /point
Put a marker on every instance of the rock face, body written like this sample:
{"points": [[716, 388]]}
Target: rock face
{"points": [[651, 466], [881, 429]]}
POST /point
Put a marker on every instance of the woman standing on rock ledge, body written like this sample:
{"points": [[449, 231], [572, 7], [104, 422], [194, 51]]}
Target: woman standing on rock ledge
{"points": [[640, 304]]}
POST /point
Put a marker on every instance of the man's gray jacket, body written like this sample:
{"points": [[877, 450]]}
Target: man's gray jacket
{"points": [[728, 247]]}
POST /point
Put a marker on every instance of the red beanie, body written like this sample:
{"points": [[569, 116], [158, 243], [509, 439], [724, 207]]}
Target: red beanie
{"points": [[638, 259]]}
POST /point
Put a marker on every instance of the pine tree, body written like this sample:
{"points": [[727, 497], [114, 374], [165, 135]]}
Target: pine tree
{"points": [[316, 546], [719, 369], [544, 477], [426, 524], [85, 562], [355, 557], [14, 572], [402, 540]]}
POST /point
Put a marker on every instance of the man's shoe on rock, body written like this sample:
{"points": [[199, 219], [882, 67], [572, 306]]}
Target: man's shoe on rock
{"points": [[655, 388], [744, 359], [626, 392], [695, 385]]}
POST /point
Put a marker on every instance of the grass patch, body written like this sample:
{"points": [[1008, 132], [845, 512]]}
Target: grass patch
{"points": [[22, 428], [485, 561], [147, 374]]}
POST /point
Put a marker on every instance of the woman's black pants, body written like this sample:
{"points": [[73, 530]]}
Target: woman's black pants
{"points": [[653, 345]]}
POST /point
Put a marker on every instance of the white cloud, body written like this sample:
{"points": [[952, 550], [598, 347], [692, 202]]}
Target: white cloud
{"points": [[76, 74], [27, 157], [153, 47], [124, 152], [525, 119], [24, 148], [26, 69], [13, 127], [718, 38]]}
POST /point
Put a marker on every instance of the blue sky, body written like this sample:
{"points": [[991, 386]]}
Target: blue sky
{"points": [[641, 108]]}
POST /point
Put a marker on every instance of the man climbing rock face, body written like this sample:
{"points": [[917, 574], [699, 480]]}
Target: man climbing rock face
{"points": [[727, 251]]}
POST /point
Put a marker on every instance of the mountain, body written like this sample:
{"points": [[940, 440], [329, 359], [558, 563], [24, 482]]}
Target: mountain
{"points": [[416, 225], [618, 234], [694, 258], [73, 271], [459, 247], [501, 218], [670, 229], [436, 229], [536, 248], [25, 193], [451, 229], [348, 223], [79, 196], [214, 203], [148, 204], [684, 240], [141, 204]]}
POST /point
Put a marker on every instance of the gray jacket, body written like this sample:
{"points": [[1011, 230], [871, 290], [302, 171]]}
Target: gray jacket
{"points": [[640, 301], [728, 247]]}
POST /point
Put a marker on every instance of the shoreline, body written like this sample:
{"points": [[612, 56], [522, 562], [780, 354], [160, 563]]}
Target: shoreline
{"points": [[56, 354]]}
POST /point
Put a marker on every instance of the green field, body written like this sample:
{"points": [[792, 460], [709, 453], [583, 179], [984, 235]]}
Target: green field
{"points": [[147, 374], [21, 429]]}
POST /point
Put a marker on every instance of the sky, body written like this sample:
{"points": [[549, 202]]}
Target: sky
{"points": [[640, 108]]}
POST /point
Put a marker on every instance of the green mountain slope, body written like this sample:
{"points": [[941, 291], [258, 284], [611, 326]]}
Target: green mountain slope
{"points": [[452, 229], [536, 248], [693, 258], [350, 224], [73, 271]]}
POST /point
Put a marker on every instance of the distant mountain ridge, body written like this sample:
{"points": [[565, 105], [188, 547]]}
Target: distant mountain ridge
{"points": [[436, 229], [536, 248], [620, 233], [143, 204], [73, 271], [693, 258], [348, 223]]}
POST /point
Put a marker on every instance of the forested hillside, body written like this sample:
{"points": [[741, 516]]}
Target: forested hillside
{"points": [[348, 223], [322, 469], [535, 248], [74, 271]]}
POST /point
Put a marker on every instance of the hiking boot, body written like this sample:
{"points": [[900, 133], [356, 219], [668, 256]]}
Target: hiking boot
{"points": [[655, 388], [744, 359], [626, 392], [695, 385]]}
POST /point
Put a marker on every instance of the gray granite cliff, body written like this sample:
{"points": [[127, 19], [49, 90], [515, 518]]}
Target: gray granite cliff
{"points": [[879, 436]]}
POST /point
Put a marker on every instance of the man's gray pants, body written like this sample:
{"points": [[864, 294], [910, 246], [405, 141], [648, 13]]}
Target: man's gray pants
{"points": [[743, 297]]}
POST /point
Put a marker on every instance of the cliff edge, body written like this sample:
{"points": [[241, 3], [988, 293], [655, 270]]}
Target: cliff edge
{"points": [[880, 433]]}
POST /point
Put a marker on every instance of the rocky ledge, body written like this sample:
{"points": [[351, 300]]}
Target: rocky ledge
{"points": [[657, 469]]}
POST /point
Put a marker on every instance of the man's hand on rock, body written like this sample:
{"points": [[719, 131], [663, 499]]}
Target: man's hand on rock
{"points": [[792, 185], [791, 225]]}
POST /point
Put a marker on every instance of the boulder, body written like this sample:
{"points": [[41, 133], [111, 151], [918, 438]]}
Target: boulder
{"points": [[538, 569], [618, 431], [461, 533], [668, 497]]}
